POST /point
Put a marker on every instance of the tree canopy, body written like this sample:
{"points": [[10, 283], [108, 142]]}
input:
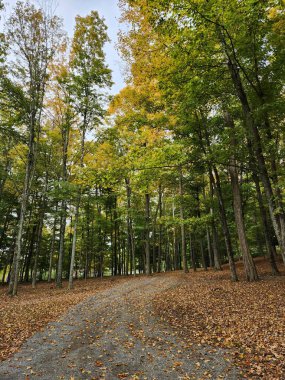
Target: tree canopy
{"points": [[184, 168]]}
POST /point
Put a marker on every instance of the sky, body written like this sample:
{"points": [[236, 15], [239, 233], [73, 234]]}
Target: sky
{"points": [[69, 9]]}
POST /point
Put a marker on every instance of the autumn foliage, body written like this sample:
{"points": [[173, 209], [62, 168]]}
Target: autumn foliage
{"points": [[245, 318], [30, 312]]}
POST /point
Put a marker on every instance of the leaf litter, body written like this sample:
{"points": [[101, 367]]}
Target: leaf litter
{"points": [[204, 309], [246, 318], [33, 309]]}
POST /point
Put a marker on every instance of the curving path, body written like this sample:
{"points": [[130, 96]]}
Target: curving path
{"points": [[114, 335]]}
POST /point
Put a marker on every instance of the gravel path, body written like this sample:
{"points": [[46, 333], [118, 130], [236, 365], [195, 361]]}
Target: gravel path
{"points": [[114, 335]]}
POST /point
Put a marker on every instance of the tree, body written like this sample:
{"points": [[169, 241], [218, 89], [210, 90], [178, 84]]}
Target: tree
{"points": [[33, 37], [205, 55], [90, 77], [2, 41]]}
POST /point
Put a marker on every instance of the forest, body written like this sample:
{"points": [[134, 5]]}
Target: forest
{"points": [[182, 170]]}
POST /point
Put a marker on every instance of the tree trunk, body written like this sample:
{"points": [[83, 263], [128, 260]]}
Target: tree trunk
{"points": [[52, 247], [183, 240], [61, 243], [209, 246], [30, 253], [175, 251], [216, 185], [65, 141], [154, 258], [215, 181], [217, 261], [160, 230], [115, 239], [42, 206], [249, 266], [167, 253], [147, 242], [266, 229], [154, 229], [38, 247], [276, 214], [131, 242], [203, 256], [73, 250], [13, 284], [192, 253]]}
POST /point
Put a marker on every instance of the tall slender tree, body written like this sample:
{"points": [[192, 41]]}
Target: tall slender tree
{"points": [[33, 39], [90, 77]]}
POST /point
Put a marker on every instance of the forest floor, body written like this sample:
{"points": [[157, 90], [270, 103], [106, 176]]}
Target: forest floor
{"points": [[248, 319], [167, 326], [32, 309]]}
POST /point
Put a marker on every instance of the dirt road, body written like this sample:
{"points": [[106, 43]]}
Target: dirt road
{"points": [[114, 335]]}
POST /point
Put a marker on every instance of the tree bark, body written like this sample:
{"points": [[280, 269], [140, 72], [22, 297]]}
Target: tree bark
{"points": [[217, 261], [14, 275], [204, 262], [277, 215], [183, 240], [147, 242], [249, 266], [209, 246], [77, 210], [38, 247], [216, 186], [192, 253], [73, 250], [131, 242], [271, 251], [65, 141], [30, 253], [215, 181], [160, 230], [115, 239], [52, 246]]}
